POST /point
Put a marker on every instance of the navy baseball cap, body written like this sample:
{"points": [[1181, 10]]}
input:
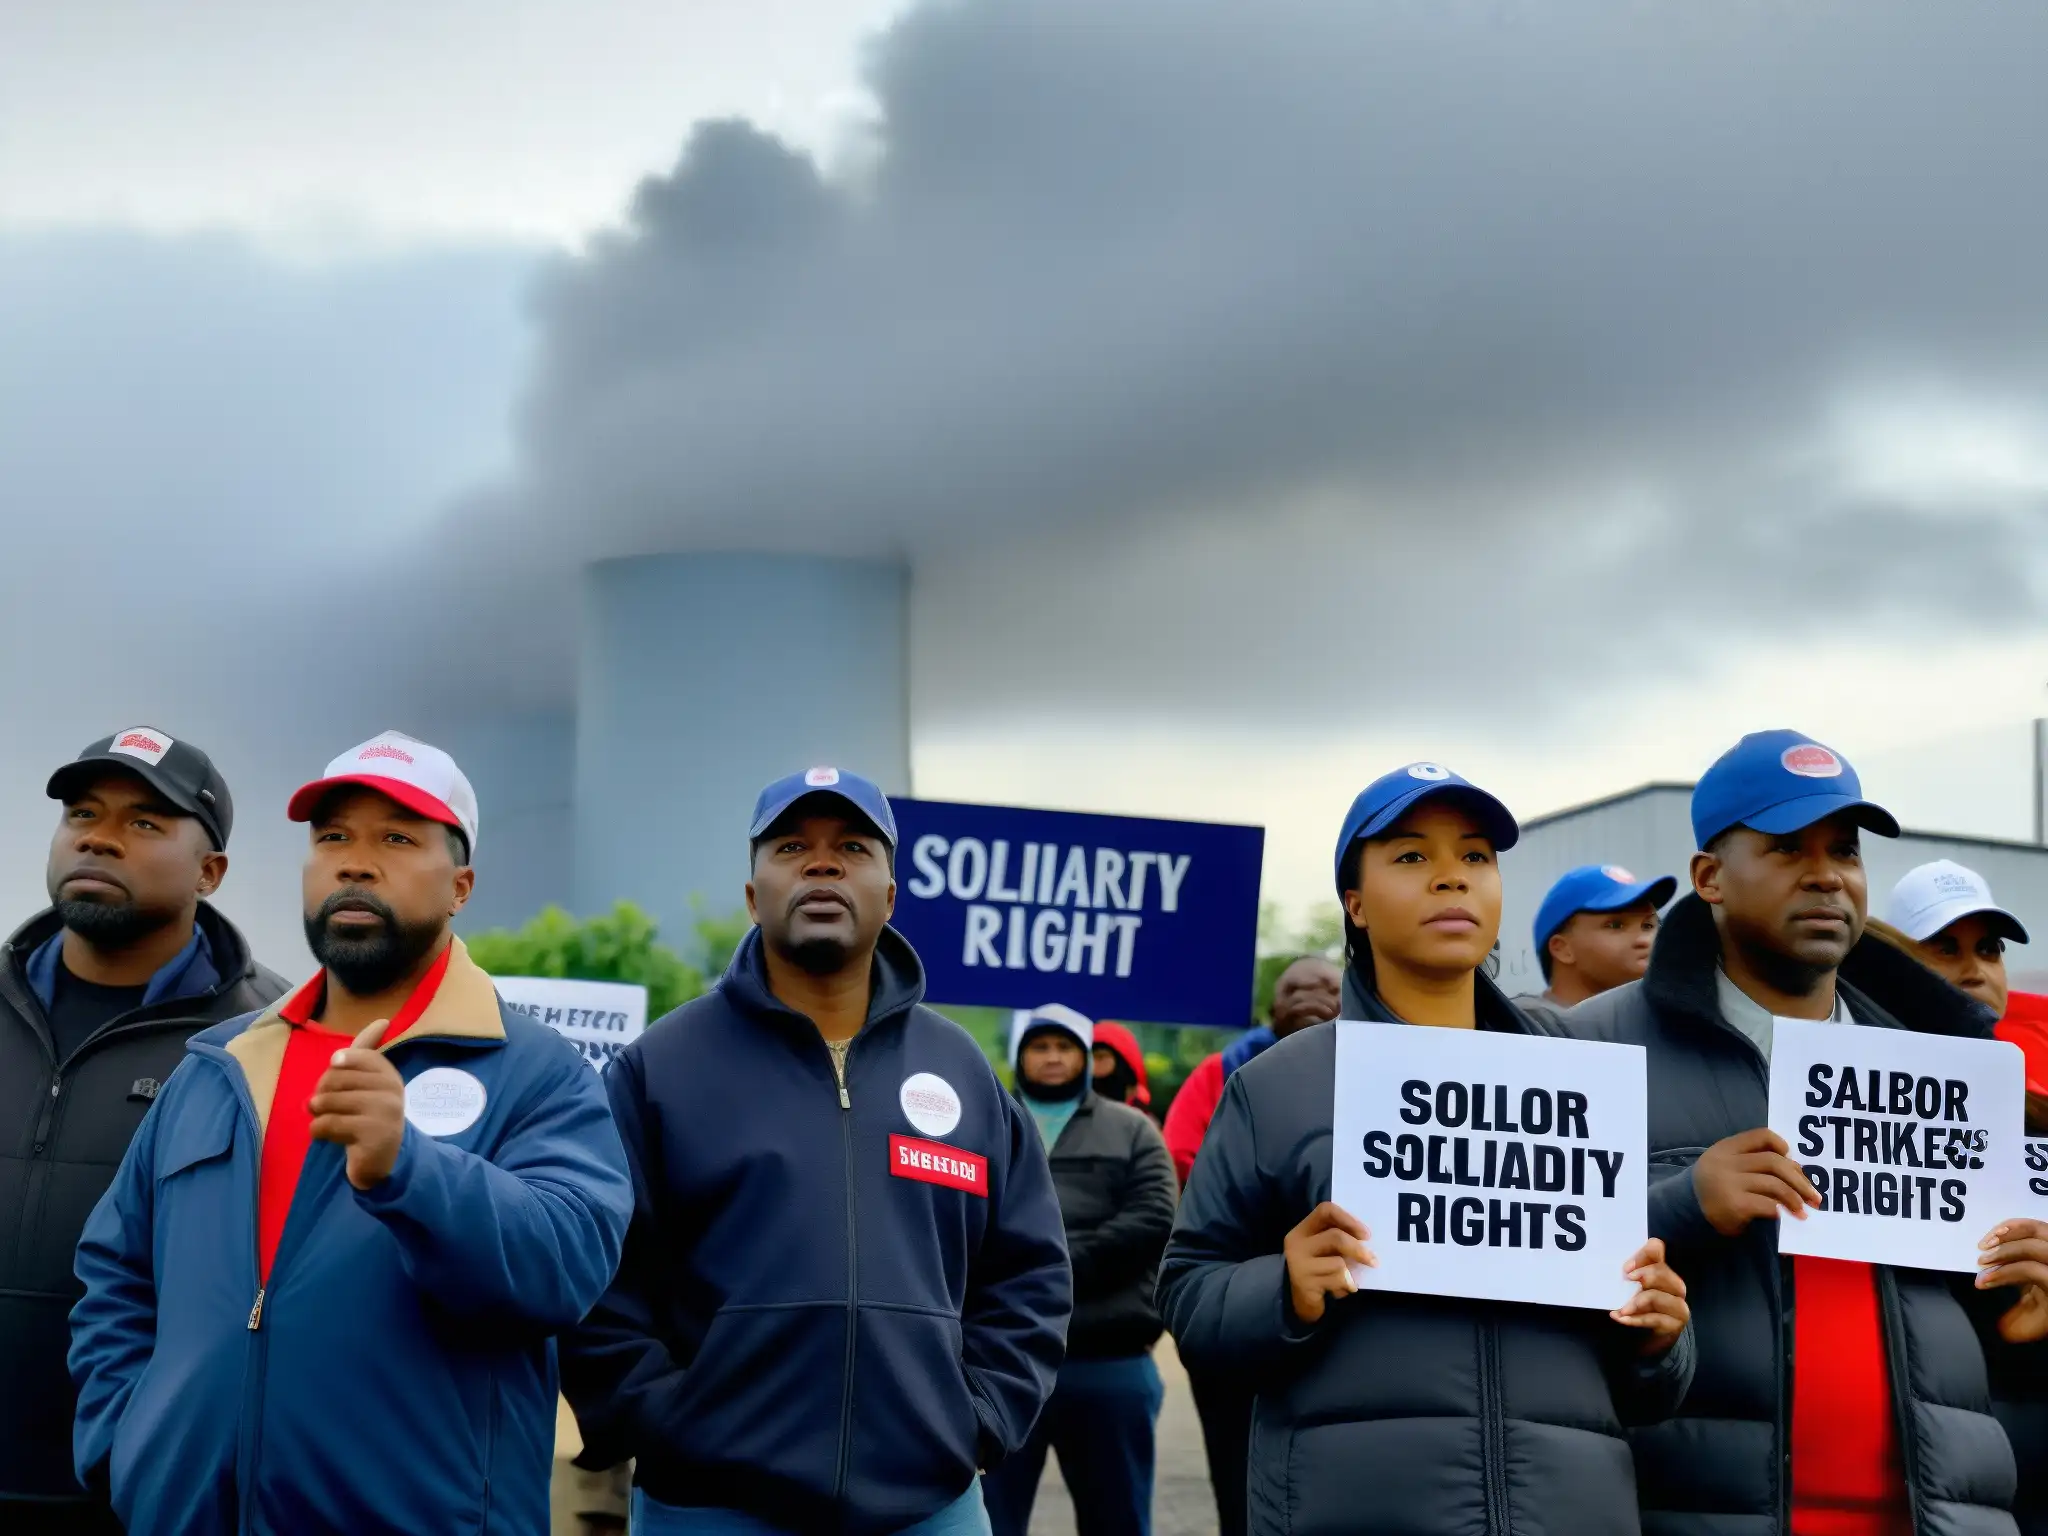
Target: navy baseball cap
{"points": [[1387, 798], [863, 796], [1780, 781], [1597, 888]]}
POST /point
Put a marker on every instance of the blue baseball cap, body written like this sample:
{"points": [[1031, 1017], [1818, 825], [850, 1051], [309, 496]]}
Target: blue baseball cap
{"points": [[863, 795], [1387, 798], [1780, 781], [1597, 888]]}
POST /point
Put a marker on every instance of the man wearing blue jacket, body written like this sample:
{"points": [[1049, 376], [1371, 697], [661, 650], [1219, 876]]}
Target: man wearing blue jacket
{"points": [[319, 1294], [845, 1287]]}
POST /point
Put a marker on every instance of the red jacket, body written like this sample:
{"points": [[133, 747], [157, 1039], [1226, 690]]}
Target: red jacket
{"points": [[2026, 1025], [1187, 1120]]}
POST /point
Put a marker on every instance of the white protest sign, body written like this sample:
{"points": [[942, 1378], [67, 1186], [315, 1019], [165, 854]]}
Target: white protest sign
{"points": [[1911, 1140], [1509, 1167], [597, 1017]]}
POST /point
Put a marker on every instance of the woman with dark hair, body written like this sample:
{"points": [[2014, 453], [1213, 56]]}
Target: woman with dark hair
{"points": [[1380, 1410]]}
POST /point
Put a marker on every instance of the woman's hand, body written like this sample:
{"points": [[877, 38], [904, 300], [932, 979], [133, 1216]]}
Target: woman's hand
{"points": [[1658, 1306], [1319, 1254]]}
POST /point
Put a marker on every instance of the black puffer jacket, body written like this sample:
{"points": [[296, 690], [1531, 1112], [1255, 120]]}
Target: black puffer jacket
{"points": [[1117, 1193], [63, 1129], [1723, 1466], [1400, 1415]]}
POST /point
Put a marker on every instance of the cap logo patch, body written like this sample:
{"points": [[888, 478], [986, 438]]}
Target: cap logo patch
{"points": [[1952, 884], [822, 778], [930, 1104], [144, 743], [1617, 874], [1811, 761], [385, 749], [1431, 772]]}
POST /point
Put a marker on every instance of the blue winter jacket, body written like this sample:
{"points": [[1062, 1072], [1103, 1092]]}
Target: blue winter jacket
{"points": [[834, 1305], [397, 1373]]}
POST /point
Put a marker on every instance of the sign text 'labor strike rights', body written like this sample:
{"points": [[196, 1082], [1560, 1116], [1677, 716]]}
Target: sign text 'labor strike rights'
{"points": [[1910, 1140]]}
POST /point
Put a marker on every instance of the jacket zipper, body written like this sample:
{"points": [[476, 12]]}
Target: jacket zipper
{"points": [[1493, 1431], [842, 1069], [1892, 1313]]}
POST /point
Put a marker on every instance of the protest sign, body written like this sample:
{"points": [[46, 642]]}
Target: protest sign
{"points": [[1119, 917], [1510, 1167], [597, 1017], [1911, 1140]]}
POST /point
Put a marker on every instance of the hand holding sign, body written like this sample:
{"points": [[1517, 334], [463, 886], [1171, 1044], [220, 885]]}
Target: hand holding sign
{"points": [[1320, 1253], [2016, 1253], [359, 1104], [1658, 1306], [1749, 1178]]}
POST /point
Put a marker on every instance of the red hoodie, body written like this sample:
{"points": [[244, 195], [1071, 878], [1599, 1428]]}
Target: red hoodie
{"points": [[1112, 1034], [2026, 1025]]}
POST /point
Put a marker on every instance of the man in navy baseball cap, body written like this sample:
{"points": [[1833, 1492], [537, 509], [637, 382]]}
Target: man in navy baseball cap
{"points": [[778, 804], [1594, 930]]}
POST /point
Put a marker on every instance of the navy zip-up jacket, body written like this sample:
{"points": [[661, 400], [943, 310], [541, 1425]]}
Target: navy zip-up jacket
{"points": [[833, 1306]]}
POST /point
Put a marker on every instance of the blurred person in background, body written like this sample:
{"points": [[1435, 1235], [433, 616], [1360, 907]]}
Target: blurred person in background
{"points": [[1117, 1193], [1944, 915], [1959, 932], [1120, 1066], [1306, 993], [1594, 931], [98, 995]]}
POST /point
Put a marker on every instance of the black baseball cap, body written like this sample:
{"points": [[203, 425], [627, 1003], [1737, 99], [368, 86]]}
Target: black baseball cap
{"points": [[177, 770]]}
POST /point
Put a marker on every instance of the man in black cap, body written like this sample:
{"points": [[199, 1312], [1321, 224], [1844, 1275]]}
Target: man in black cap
{"points": [[97, 998]]}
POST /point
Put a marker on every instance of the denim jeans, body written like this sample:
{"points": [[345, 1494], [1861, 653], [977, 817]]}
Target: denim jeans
{"points": [[1100, 1422], [963, 1517]]}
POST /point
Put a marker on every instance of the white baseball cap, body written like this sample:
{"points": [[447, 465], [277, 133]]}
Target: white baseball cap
{"points": [[1049, 1016], [1931, 897], [421, 778]]}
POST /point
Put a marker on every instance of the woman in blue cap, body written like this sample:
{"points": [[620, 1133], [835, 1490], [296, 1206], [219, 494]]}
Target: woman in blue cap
{"points": [[1385, 1411]]}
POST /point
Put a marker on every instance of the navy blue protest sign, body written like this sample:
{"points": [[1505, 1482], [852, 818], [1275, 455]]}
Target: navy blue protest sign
{"points": [[1121, 917]]}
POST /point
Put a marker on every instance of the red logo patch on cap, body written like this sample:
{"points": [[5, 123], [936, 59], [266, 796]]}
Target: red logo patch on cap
{"points": [[385, 749], [933, 1162], [820, 778], [1617, 874], [1811, 761]]}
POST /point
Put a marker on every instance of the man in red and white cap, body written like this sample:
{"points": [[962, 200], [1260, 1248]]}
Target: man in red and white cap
{"points": [[437, 1189]]}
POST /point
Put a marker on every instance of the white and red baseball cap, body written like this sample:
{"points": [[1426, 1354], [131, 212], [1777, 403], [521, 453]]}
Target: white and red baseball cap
{"points": [[421, 778]]}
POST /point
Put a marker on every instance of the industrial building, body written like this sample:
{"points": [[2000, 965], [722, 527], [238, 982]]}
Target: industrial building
{"points": [[1648, 831]]}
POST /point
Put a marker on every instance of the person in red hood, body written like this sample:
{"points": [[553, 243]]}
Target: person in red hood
{"points": [[1120, 1066]]}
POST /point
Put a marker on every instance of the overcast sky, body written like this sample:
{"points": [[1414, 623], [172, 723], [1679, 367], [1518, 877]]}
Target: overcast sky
{"points": [[1265, 395]]}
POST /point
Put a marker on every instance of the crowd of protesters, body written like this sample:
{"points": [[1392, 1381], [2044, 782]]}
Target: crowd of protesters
{"points": [[318, 1258]]}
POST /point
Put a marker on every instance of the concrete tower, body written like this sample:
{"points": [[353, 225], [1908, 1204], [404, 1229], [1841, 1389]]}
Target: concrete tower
{"points": [[699, 679]]}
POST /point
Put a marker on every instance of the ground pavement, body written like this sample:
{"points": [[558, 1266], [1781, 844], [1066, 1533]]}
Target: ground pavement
{"points": [[1181, 1502]]}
